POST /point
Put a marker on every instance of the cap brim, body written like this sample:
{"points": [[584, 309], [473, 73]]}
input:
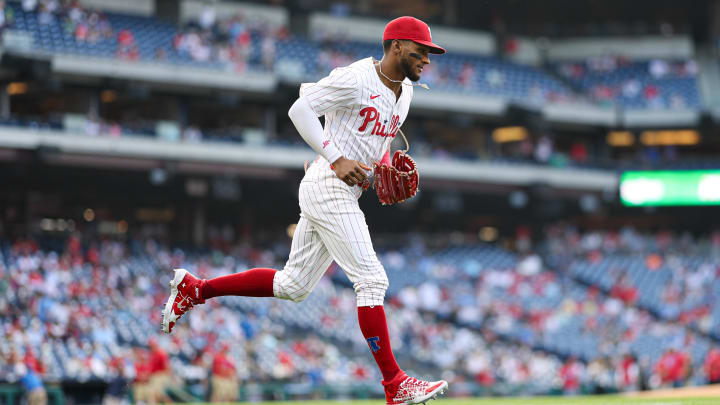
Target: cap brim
{"points": [[436, 49]]}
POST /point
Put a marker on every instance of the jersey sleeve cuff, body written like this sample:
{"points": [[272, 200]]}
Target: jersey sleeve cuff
{"points": [[331, 153]]}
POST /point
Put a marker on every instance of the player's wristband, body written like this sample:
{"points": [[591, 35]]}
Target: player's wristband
{"points": [[386, 159]]}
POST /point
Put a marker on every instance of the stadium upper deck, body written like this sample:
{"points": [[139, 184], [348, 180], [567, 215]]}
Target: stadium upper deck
{"points": [[237, 44]]}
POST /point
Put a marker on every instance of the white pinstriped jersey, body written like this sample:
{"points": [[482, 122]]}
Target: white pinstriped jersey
{"points": [[362, 115]]}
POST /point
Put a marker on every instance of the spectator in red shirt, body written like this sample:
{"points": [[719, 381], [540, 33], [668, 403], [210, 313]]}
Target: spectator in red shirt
{"points": [[225, 384], [579, 152], [485, 378], [127, 48], [466, 74], [160, 376], [359, 372], [570, 374], [651, 91], [141, 384], [624, 291], [629, 372], [32, 362], [712, 366], [125, 38], [673, 367], [81, 32]]}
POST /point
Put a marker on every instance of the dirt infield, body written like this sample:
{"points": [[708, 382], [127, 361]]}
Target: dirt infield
{"points": [[704, 391]]}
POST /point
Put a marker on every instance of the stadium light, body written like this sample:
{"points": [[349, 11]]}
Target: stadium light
{"points": [[509, 134], [16, 88], [108, 96], [620, 138], [670, 137]]}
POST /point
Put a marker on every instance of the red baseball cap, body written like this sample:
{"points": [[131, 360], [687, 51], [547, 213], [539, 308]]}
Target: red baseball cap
{"points": [[413, 29]]}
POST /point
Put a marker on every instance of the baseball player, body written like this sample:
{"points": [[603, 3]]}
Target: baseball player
{"points": [[364, 105]]}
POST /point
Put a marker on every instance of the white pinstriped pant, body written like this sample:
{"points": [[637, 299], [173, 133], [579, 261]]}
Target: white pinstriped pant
{"points": [[331, 227]]}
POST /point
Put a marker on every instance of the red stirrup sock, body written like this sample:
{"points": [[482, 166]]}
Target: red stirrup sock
{"points": [[250, 283], [373, 325]]}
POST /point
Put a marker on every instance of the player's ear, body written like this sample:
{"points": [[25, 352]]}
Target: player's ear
{"points": [[396, 46]]}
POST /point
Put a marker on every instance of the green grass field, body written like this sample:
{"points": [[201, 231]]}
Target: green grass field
{"points": [[583, 400]]}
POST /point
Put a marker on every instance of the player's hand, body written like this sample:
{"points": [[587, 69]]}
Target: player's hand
{"points": [[350, 171]]}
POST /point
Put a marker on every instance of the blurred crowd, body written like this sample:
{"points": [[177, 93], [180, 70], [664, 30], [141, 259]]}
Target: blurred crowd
{"points": [[88, 313], [622, 347], [611, 78], [674, 275], [82, 23], [494, 321], [237, 42], [229, 40]]}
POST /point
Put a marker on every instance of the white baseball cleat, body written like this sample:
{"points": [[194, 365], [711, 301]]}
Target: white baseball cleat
{"points": [[185, 292], [409, 390]]}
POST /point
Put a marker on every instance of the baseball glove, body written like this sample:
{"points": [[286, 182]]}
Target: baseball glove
{"points": [[397, 182]]}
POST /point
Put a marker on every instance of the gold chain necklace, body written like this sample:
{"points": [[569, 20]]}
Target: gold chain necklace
{"points": [[423, 85]]}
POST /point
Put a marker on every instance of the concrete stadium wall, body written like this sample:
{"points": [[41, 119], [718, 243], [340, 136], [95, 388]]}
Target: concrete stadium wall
{"points": [[631, 47], [137, 7], [370, 30]]}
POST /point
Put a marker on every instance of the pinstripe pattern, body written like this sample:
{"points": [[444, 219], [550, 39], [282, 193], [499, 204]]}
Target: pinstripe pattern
{"points": [[341, 95], [332, 226], [308, 252]]}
